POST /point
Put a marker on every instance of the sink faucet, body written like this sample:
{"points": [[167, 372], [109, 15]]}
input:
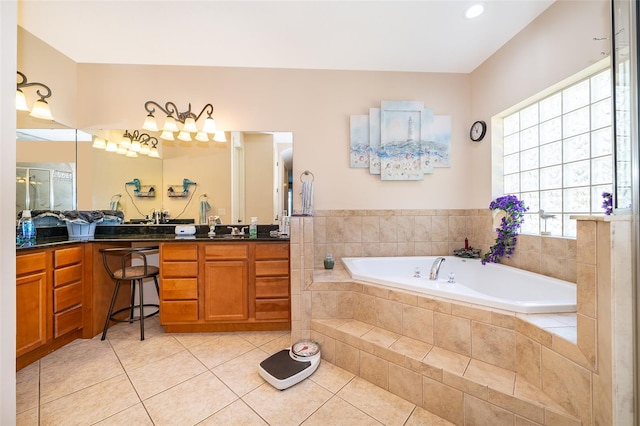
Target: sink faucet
{"points": [[435, 268], [236, 231]]}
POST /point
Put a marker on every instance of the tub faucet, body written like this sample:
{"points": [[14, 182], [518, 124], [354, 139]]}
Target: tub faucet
{"points": [[435, 268]]}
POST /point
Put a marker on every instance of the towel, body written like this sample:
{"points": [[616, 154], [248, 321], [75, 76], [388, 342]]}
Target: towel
{"points": [[113, 205], [307, 198], [204, 207], [82, 216]]}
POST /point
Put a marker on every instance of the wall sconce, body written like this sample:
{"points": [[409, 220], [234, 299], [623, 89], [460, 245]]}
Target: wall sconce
{"points": [[131, 144], [183, 123], [40, 107]]}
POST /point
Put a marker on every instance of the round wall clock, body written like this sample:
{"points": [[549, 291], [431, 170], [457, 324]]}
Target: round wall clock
{"points": [[478, 130]]}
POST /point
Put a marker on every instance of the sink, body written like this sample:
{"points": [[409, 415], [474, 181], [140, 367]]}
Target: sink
{"points": [[230, 237]]}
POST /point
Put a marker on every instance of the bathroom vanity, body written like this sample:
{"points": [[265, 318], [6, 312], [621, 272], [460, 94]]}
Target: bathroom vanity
{"points": [[206, 284]]}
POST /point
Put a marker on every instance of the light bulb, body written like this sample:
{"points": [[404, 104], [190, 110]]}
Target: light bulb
{"points": [[184, 136], [111, 146], [190, 125], [202, 136], [21, 101], [209, 125], [167, 135], [132, 154], [41, 110], [99, 143], [125, 142], [154, 153], [170, 124], [121, 150], [220, 136], [145, 149], [135, 146], [150, 123]]}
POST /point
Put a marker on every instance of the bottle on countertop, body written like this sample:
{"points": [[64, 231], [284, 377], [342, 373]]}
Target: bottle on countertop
{"points": [[253, 227], [27, 228]]}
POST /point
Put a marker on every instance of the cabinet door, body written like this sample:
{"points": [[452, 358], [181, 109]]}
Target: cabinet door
{"points": [[31, 312], [225, 290]]}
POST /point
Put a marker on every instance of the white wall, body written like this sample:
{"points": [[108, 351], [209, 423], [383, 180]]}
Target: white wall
{"points": [[8, 25]]}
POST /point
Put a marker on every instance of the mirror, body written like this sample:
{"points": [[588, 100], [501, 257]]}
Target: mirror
{"points": [[45, 165], [247, 176]]}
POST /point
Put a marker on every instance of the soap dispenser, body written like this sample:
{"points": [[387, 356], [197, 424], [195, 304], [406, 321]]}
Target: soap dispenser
{"points": [[253, 228]]}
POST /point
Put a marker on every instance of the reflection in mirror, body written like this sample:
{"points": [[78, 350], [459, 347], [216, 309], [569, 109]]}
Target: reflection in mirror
{"points": [[46, 165]]}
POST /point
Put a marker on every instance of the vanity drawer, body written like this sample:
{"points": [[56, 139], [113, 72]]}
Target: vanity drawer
{"points": [[67, 296], [178, 311], [272, 267], [179, 251], [26, 263], [271, 287], [179, 288], [179, 269], [226, 251], [272, 309], [68, 275], [67, 256], [272, 251], [67, 321]]}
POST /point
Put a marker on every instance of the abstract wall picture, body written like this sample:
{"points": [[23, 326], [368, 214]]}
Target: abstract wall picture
{"points": [[374, 141], [359, 129], [406, 140]]}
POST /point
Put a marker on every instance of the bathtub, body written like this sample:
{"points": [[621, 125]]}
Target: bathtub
{"points": [[491, 285]]}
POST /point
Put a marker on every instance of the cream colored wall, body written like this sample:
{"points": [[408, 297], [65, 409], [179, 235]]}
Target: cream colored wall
{"points": [[555, 46], [259, 177]]}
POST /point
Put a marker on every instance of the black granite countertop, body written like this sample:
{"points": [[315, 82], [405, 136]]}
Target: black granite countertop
{"points": [[50, 236]]}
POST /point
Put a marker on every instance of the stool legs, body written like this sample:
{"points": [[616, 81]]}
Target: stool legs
{"points": [[140, 284], [113, 302]]}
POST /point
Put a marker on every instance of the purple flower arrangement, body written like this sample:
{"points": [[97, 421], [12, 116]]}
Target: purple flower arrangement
{"points": [[508, 230], [607, 203]]}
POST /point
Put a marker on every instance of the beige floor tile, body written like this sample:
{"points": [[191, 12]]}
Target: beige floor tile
{"points": [[218, 351], [411, 347], [259, 338], [237, 413], [331, 377], [447, 360], [90, 405], [376, 402], [135, 353], [277, 345], [89, 362], [338, 412], [27, 418], [241, 374], [125, 330], [189, 402], [495, 377], [422, 417], [355, 327], [382, 337], [290, 406], [189, 340], [132, 416], [158, 376], [28, 388]]}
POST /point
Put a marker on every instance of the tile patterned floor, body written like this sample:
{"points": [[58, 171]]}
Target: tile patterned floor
{"points": [[195, 379]]}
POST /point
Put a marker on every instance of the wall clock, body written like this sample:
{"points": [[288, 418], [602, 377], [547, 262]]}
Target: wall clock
{"points": [[478, 130]]}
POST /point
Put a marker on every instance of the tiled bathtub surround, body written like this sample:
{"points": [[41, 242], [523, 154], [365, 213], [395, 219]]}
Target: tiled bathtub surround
{"points": [[578, 377]]}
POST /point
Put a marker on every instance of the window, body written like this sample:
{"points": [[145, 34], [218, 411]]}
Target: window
{"points": [[558, 155]]}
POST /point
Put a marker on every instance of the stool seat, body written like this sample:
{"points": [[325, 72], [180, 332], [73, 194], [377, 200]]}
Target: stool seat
{"points": [[135, 272], [131, 266]]}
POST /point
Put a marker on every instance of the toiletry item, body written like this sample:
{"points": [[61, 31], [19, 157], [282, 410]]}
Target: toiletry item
{"points": [[253, 227], [329, 261], [27, 228], [286, 226]]}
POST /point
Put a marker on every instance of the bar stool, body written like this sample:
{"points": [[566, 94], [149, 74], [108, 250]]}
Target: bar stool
{"points": [[134, 273]]}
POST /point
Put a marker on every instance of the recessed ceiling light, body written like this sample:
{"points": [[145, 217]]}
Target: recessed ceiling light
{"points": [[474, 11]]}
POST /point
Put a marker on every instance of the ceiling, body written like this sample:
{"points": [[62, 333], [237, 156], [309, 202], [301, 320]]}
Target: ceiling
{"points": [[421, 36]]}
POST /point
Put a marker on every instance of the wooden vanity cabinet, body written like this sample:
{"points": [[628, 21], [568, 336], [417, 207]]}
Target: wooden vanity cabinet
{"points": [[49, 294], [178, 283], [224, 286]]}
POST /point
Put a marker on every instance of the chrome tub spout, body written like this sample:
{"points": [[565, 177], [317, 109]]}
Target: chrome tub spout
{"points": [[435, 268]]}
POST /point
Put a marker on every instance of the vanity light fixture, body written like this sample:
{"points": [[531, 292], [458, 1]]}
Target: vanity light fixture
{"points": [[131, 144], [184, 123], [40, 107]]}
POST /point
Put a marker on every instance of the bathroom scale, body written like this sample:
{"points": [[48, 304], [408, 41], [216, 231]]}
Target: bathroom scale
{"points": [[290, 366]]}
